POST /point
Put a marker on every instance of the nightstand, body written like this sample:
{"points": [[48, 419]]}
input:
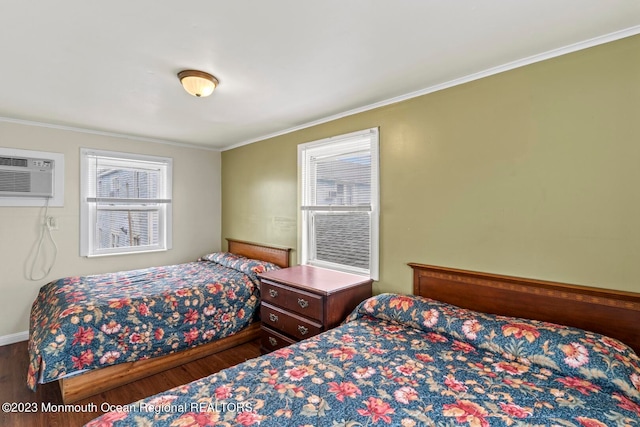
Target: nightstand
{"points": [[300, 302]]}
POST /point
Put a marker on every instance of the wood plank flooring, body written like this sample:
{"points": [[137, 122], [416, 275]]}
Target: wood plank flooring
{"points": [[13, 386]]}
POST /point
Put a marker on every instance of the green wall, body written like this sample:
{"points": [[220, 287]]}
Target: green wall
{"points": [[532, 172]]}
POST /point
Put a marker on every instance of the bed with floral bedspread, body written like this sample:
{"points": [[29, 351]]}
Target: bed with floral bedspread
{"points": [[89, 322], [410, 361]]}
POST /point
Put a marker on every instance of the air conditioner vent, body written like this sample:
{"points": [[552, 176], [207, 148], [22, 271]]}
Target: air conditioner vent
{"points": [[21, 176], [13, 161], [15, 181]]}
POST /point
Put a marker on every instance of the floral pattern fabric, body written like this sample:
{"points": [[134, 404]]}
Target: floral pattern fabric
{"points": [[410, 361], [81, 323], [245, 265]]}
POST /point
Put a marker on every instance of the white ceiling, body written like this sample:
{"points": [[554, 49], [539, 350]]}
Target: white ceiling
{"points": [[110, 66]]}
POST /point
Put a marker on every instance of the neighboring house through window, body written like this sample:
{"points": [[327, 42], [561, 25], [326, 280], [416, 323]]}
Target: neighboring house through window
{"points": [[125, 203], [340, 202]]}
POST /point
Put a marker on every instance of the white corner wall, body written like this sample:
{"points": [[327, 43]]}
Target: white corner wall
{"points": [[196, 217]]}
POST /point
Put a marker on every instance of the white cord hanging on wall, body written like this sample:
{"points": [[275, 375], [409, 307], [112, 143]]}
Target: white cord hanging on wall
{"points": [[45, 229]]}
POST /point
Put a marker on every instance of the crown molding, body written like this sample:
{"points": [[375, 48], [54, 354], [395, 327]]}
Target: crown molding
{"points": [[607, 38], [104, 133]]}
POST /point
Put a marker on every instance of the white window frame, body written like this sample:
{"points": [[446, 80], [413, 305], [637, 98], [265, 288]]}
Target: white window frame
{"points": [[334, 145], [89, 203]]}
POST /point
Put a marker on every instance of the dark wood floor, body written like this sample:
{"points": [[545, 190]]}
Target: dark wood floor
{"points": [[13, 386]]}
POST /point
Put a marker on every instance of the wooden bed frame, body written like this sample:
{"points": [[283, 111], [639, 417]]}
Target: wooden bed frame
{"points": [[96, 381], [608, 312]]}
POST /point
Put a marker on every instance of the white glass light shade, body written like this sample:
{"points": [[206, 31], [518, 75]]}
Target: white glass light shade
{"points": [[197, 83]]}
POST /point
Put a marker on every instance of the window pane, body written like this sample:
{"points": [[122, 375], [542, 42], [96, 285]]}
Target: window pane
{"points": [[342, 238], [127, 183], [343, 180], [126, 228]]}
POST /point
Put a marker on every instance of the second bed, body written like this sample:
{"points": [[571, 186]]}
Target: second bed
{"points": [[96, 332]]}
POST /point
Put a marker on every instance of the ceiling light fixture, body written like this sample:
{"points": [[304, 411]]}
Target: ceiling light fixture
{"points": [[198, 83]]}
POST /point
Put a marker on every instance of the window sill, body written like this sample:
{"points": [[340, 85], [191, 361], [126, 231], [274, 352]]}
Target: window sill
{"points": [[99, 255]]}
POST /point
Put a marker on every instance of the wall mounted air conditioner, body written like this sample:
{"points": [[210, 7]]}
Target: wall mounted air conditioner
{"points": [[26, 176]]}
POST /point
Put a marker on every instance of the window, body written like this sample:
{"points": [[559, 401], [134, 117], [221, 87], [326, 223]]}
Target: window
{"points": [[340, 202], [125, 203]]}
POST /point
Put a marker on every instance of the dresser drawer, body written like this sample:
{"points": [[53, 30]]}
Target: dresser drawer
{"points": [[301, 302], [289, 323], [271, 340]]}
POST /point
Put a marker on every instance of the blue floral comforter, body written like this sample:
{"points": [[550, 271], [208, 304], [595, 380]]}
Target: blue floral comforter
{"points": [[409, 361], [81, 323]]}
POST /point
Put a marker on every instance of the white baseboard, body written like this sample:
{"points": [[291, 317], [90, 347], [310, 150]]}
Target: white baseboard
{"points": [[14, 338]]}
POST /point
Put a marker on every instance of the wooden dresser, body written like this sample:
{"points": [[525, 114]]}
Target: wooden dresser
{"points": [[300, 302]]}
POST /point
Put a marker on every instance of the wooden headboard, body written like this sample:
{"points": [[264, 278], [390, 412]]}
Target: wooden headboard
{"points": [[277, 255], [608, 312]]}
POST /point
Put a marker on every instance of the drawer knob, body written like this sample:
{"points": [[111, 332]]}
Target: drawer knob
{"points": [[273, 293], [273, 341], [273, 317], [303, 302], [303, 330]]}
